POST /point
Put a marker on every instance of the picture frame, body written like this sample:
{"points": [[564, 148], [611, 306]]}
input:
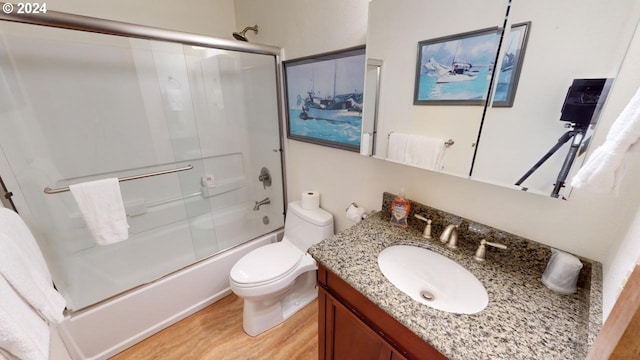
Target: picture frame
{"points": [[324, 97], [455, 69], [511, 65]]}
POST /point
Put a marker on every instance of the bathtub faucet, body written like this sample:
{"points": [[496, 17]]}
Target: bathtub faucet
{"points": [[264, 201]]}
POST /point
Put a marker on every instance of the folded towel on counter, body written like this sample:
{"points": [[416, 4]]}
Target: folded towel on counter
{"points": [[425, 152], [605, 168], [101, 205], [23, 334], [23, 266], [397, 148]]}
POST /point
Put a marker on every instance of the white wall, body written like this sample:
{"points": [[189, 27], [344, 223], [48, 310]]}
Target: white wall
{"points": [[624, 250], [620, 263], [209, 17], [588, 224]]}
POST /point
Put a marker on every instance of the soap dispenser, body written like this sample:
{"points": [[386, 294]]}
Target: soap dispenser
{"points": [[400, 209]]}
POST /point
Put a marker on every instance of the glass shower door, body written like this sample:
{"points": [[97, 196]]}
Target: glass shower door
{"points": [[76, 107], [235, 102]]}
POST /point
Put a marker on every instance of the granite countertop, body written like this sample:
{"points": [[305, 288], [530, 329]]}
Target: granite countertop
{"points": [[524, 319]]}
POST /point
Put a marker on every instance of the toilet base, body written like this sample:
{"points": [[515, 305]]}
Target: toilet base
{"points": [[261, 315]]}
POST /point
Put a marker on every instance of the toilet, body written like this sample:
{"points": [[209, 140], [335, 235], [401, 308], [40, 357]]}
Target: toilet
{"points": [[278, 279]]}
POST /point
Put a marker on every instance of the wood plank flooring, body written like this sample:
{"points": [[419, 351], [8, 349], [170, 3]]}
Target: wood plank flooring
{"points": [[216, 333]]}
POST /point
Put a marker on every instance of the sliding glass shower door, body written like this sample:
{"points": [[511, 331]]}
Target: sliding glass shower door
{"points": [[77, 106]]}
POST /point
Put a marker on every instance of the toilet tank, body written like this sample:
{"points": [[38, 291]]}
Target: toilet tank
{"points": [[304, 228]]}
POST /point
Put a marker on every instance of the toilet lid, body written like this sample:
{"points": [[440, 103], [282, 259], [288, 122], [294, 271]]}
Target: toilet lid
{"points": [[266, 263]]}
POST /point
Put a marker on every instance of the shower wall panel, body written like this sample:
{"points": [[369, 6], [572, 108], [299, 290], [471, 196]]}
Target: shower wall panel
{"points": [[77, 107]]}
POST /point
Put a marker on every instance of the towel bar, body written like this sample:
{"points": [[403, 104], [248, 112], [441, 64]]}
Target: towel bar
{"points": [[49, 190], [447, 143]]}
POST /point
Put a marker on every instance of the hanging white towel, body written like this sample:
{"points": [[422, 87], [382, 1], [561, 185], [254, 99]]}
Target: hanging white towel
{"points": [[23, 266], [604, 169], [397, 148], [425, 152], [23, 334], [101, 205]]}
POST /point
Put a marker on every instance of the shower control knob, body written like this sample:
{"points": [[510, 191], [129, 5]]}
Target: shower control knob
{"points": [[265, 177]]}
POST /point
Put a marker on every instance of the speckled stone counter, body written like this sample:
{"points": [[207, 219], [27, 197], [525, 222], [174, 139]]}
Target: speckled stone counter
{"points": [[524, 319]]}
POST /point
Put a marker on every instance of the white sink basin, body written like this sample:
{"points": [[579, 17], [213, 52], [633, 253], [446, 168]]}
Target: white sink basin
{"points": [[432, 279]]}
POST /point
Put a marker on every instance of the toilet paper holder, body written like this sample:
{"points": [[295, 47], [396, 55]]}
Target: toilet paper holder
{"points": [[350, 205], [355, 213]]}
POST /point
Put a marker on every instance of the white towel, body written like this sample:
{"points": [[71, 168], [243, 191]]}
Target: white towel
{"points": [[425, 152], [604, 169], [101, 205], [23, 334], [23, 266], [397, 148]]}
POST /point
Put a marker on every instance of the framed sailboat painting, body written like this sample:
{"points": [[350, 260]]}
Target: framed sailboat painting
{"points": [[456, 69], [323, 96], [509, 72]]}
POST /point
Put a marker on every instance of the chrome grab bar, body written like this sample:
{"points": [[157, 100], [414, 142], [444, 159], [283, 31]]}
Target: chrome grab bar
{"points": [[49, 190]]}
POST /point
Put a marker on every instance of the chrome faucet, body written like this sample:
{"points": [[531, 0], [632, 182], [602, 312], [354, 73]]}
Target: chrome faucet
{"points": [[450, 234], [264, 201]]}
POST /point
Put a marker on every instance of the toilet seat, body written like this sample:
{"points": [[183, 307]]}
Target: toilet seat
{"points": [[266, 264]]}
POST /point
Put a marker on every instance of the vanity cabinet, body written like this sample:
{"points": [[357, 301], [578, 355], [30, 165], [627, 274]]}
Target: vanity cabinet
{"points": [[350, 326]]}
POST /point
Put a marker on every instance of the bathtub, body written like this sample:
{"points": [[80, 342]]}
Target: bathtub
{"points": [[115, 324]]}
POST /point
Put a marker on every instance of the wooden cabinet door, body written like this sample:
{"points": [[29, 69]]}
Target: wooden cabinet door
{"points": [[397, 356], [344, 335], [347, 337]]}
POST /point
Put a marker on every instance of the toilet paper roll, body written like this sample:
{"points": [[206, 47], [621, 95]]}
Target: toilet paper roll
{"points": [[364, 144], [355, 213], [310, 200]]}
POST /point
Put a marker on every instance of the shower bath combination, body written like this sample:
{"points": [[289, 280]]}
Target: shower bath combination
{"points": [[181, 230], [240, 35]]}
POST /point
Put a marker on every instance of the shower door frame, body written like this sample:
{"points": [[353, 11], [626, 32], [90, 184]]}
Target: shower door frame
{"points": [[68, 21]]}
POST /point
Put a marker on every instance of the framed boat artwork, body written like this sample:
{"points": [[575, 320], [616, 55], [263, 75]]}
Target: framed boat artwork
{"points": [[511, 65], [456, 69], [323, 96]]}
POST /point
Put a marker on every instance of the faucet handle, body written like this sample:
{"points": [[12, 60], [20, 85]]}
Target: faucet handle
{"points": [[497, 245], [482, 249], [420, 217], [427, 229]]}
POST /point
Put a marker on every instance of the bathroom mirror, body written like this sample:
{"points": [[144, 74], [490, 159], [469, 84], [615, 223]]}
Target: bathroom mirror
{"points": [[577, 40], [397, 47], [567, 40]]}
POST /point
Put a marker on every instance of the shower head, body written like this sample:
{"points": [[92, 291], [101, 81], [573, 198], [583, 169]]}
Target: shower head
{"points": [[240, 36]]}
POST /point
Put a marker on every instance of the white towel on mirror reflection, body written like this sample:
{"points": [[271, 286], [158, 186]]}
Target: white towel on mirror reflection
{"points": [[23, 334], [101, 205], [24, 267], [605, 168], [397, 148], [425, 152]]}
